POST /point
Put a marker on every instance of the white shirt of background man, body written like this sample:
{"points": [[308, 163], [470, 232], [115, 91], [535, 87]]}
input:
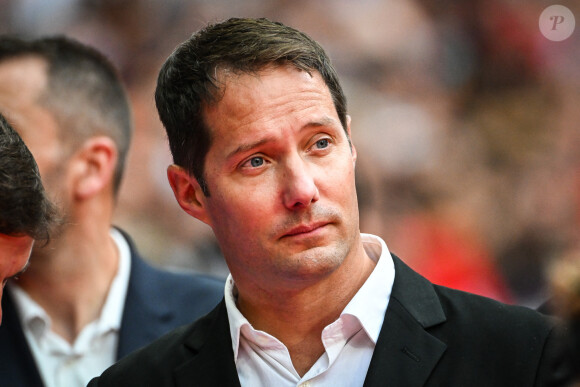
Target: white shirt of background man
{"points": [[60, 363]]}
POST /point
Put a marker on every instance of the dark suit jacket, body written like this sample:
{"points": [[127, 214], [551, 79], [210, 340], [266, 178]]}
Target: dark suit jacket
{"points": [[431, 336], [157, 301]]}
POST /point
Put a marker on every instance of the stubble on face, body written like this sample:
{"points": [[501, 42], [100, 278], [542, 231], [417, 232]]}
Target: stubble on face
{"points": [[311, 252], [253, 234]]}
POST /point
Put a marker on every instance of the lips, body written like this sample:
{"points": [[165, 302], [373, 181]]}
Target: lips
{"points": [[304, 229]]}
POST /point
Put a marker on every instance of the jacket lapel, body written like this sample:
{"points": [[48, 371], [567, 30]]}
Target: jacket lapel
{"points": [[406, 354], [212, 361], [142, 294]]}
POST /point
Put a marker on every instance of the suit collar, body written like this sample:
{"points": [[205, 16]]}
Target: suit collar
{"points": [[214, 365], [417, 295], [406, 353], [142, 304]]}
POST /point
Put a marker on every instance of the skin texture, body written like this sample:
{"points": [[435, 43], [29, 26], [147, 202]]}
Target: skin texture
{"points": [[14, 254], [282, 204], [70, 280]]}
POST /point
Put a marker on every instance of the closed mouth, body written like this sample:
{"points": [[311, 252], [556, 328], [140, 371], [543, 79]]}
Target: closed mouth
{"points": [[304, 229]]}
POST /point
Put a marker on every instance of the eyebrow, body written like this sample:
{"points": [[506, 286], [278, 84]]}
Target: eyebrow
{"points": [[325, 121]]}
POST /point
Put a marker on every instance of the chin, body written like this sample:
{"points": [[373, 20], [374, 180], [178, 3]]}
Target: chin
{"points": [[314, 263]]}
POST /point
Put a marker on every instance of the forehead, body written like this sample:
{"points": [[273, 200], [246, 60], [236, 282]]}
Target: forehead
{"points": [[274, 96]]}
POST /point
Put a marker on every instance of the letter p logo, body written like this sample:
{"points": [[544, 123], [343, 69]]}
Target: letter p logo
{"points": [[557, 23], [557, 20]]}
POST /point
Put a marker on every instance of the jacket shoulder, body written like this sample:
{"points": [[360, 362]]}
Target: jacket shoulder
{"points": [[523, 345], [486, 342], [488, 315]]}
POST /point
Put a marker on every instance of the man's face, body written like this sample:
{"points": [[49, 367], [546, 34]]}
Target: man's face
{"points": [[14, 254], [280, 173], [22, 81]]}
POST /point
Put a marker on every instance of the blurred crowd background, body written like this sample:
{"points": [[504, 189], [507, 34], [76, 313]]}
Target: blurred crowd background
{"points": [[464, 116]]}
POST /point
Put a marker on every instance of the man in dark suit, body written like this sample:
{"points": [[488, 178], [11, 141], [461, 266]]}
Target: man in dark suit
{"points": [[87, 298], [257, 125]]}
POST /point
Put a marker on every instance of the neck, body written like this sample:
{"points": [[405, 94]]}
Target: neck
{"points": [[70, 278], [297, 317]]}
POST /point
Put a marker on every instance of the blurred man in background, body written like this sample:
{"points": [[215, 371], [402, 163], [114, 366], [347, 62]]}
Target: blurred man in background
{"points": [[88, 298], [25, 211]]}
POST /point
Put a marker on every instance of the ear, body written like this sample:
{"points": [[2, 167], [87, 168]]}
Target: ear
{"points": [[352, 147], [94, 166], [188, 193]]}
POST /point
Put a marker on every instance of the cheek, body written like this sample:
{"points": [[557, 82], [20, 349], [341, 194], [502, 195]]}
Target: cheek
{"points": [[338, 181], [242, 212], [234, 210]]}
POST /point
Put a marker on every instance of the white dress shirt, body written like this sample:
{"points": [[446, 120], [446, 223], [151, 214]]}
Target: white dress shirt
{"points": [[349, 342], [64, 365]]}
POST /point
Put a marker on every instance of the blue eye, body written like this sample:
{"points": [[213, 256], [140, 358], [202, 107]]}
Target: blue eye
{"points": [[256, 162], [322, 143]]}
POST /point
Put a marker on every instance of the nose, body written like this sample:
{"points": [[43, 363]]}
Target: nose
{"points": [[300, 189]]}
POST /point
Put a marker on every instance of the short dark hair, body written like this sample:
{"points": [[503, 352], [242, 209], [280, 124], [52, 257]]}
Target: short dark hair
{"points": [[84, 91], [24, 207], [188, 83]]}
